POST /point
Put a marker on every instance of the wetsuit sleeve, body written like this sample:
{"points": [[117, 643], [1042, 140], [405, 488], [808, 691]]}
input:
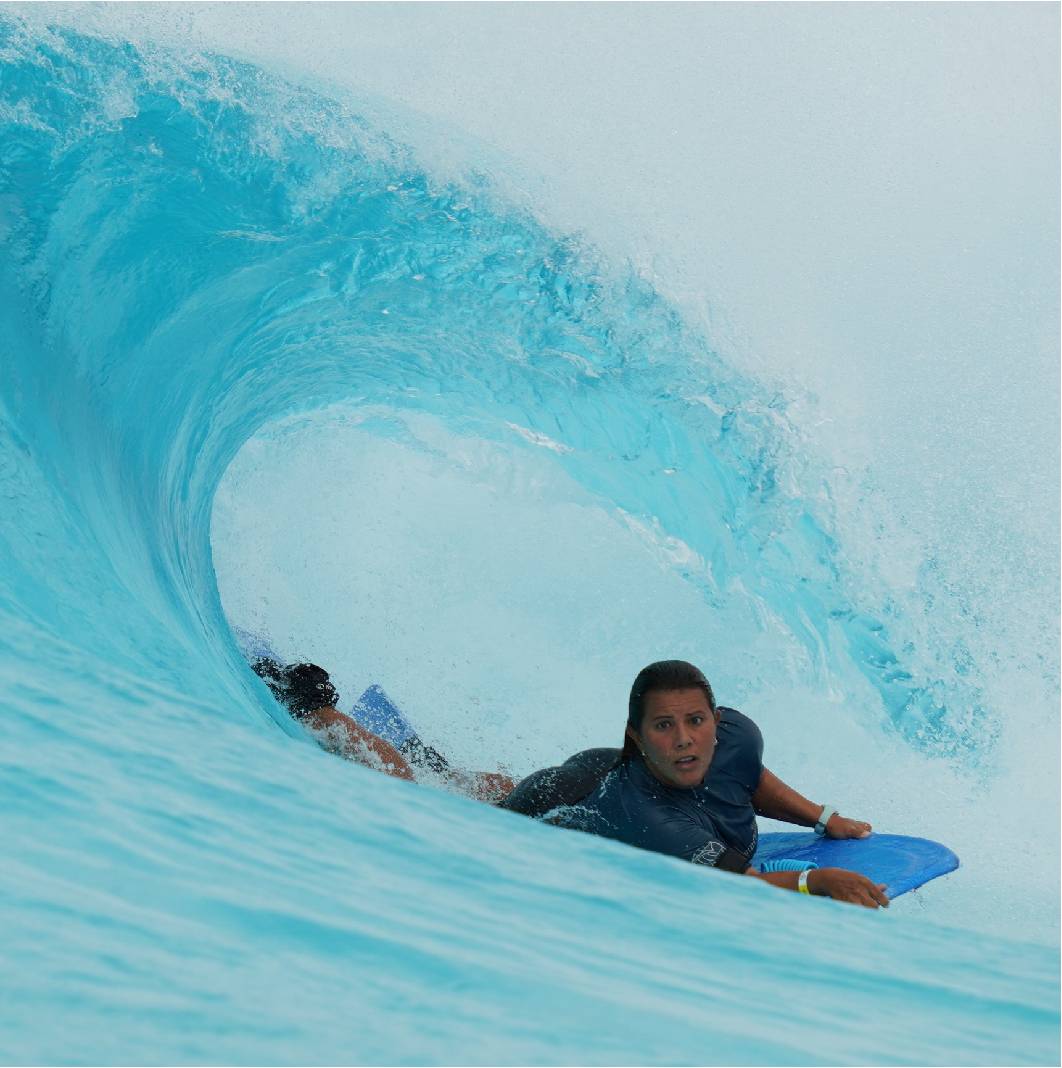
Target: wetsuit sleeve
{"points": [[671, 831], [745, 742]]}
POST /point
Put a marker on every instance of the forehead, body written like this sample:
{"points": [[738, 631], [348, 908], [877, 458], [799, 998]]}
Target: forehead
{"points": [[676, 702]]}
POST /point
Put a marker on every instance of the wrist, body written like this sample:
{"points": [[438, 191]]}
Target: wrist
{"points": [[823, 818], [814, 882]]}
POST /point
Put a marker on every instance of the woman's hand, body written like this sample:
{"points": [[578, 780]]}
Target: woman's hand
{"points": [[848, 886], [841, 827]]}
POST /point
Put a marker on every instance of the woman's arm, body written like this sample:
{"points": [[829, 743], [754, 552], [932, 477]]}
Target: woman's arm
{"points": [[837, 883], [674, 833], [774, 799]]}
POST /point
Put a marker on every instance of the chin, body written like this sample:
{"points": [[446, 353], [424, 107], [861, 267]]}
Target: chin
{"points": [[684, 778], [692, 777]]}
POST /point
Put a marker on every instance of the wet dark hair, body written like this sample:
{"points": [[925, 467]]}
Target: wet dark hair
{"points": [[300, 688], [664, 675]]}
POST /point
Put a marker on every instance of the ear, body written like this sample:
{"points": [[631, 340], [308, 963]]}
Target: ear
{"points": [[633, 735]]}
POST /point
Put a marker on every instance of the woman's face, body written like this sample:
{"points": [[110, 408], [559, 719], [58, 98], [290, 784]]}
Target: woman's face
{"points": [[677, 736]]}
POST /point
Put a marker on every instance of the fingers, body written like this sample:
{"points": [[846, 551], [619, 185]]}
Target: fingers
{"points": [[872, 896], [842, 827], [867, 900], [857, 896], [857, 890]]}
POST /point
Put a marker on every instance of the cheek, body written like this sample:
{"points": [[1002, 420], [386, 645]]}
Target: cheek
{"points": [[652, 744]]}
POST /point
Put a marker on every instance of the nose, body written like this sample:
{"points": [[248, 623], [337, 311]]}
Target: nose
{"points": [[683, 739]]}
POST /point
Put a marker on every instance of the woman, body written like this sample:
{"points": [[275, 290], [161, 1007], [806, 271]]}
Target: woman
{"points": [[689, 782]]}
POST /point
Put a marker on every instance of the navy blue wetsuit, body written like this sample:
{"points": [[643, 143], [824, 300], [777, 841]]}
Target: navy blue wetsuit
{"points": [[713, 823]]}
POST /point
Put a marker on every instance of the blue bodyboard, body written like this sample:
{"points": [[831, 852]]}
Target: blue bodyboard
{"points": [[901, 863], [375, 711]]}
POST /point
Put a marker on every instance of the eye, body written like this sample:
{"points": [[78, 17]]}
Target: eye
{"points": [[696, 720], [662, 724]]}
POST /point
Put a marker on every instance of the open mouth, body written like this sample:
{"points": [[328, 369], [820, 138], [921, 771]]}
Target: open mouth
{"points": [[686, 761]]}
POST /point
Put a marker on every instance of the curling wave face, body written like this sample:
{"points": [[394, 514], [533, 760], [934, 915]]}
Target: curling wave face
{"points": [[330, 269]]}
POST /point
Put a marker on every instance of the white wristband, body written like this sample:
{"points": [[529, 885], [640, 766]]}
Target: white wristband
{"points": [[802, 881], [824, 818]]}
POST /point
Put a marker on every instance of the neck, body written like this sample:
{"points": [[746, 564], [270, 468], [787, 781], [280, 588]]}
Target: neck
{"points": [[640, 758]]}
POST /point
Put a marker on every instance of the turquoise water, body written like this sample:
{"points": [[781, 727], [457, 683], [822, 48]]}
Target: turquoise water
{"points": [[260, 366]]}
